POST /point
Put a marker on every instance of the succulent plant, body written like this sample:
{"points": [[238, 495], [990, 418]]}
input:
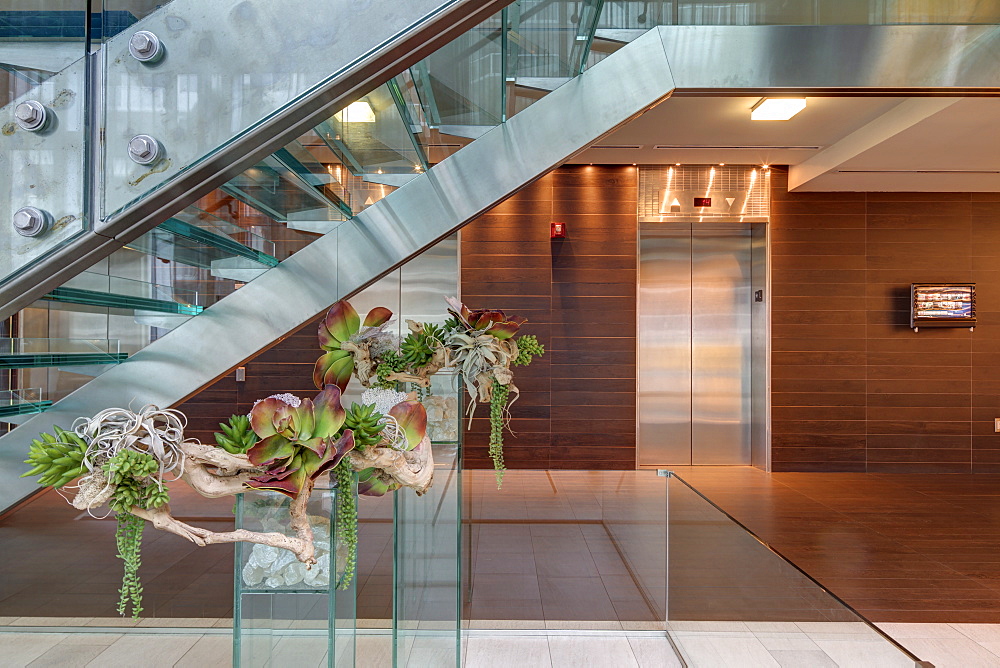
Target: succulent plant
{"points": [[300, 440], [411, 422], [342, 323], [57, 459], [418, 348], [493, 322], [391, 362], [528, 348], [237, 435], [373, 482], [364, 421]]}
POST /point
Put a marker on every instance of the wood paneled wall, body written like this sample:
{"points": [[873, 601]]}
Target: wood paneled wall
{"points": [[577, 403], [286, 367], [854, 388]]}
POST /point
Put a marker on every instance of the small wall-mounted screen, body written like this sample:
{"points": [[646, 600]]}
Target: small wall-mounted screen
{"points": [[943, 305]]}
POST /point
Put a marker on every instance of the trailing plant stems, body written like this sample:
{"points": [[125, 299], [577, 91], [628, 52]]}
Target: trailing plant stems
{"points": [[128, 536], [347, 520], [498, 404]]}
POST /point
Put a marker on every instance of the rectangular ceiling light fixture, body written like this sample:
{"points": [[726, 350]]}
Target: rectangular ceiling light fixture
{"points": [[777, 108]]}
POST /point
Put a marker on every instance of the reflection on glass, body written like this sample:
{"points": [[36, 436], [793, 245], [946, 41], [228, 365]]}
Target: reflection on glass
{"points": [[427, 565], [282, 609], [645, 14], [717, 571]]}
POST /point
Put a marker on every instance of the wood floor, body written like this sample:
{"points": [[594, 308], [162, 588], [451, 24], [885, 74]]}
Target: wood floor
{"points": [[896, 547]]}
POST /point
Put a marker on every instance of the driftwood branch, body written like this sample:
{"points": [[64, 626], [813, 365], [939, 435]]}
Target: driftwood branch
{"points": [[411, 468], [213, 472], [301, 547]]}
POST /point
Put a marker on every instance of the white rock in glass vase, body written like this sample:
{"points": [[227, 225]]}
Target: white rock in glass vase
{"points": [[277, 568]]}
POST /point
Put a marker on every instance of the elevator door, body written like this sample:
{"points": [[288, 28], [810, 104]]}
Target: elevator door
{"points": [[694, 344]]}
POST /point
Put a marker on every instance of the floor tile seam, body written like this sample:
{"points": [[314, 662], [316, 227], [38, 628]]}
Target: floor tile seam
{"points": [[966, 635]]}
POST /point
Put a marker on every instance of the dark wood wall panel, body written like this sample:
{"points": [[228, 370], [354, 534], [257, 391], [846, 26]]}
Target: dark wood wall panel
{"points": [[577, 404], [854, 388], [286, 367]]}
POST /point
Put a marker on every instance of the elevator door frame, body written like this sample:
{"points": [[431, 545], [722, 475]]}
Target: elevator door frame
{"points": [[683, 407]]}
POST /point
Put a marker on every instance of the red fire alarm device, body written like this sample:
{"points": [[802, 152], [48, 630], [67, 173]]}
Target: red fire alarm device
{"points": [[558, 231], [703, 201]]}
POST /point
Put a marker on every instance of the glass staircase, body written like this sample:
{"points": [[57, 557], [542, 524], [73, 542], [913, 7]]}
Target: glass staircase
{"points": [[325, 177]]}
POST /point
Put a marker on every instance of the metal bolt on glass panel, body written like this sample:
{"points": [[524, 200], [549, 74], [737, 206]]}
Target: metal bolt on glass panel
{"points": [[207, 127]]}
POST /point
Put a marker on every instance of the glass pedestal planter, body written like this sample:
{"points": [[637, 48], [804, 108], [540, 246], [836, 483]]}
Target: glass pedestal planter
{"points": [[427, 540], [284, 614]]}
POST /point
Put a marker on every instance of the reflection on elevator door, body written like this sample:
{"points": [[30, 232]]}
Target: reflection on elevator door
{"points": [[694, 366]]}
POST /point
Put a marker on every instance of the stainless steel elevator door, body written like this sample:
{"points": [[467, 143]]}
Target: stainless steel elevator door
{"points": [[664, 346], [694, 344]]}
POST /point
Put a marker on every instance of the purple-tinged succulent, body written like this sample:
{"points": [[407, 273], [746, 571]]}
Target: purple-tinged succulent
{"points": [[300, 440], [370, 483], [490, 321], [411, 416]]}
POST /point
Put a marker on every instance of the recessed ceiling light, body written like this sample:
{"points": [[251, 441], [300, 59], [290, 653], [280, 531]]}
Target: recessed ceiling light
{"points": [[777, 108]]}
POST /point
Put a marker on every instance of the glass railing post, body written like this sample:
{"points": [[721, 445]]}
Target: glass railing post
{"points": [[586, 28], [397, 97]]}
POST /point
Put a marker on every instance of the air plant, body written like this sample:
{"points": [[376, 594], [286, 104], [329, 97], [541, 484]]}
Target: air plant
{"points": [[481, 345]]}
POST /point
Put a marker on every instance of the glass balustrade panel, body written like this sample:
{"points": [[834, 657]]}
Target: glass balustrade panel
{"points": [[42, 129]]}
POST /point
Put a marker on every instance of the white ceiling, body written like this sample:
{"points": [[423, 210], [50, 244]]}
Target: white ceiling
{"points": [[836, 143]]}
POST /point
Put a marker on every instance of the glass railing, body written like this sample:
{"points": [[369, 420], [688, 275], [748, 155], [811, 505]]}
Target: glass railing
{"points": [[22, 401], [644, 14], [198, 239], [288, 185], [38, 39], [30, 353], [721, 577], [461, 87], [645, 557], [43, 138]]}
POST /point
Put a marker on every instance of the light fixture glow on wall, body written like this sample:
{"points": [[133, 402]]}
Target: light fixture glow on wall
{"points": [[777, 108], [356, 112]]}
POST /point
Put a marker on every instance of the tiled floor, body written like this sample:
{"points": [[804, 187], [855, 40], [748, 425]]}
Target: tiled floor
{"points": [[708, 645]]}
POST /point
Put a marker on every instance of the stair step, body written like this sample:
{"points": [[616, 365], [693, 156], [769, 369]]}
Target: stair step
{"points": [[95, 298], [39, 360]]}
